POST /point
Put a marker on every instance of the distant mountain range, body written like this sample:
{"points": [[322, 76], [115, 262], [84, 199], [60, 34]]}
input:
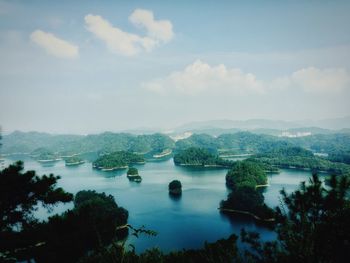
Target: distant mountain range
{"points": [[264, 126]]}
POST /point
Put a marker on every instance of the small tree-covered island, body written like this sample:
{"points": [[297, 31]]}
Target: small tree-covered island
{"points": [[117, 160], [175, 188], [44, 155], [244, 179], [73, 161], [133, 175]]}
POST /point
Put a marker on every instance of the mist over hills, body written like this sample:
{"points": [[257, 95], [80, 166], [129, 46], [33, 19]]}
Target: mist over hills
{"points": [[250, 124]]}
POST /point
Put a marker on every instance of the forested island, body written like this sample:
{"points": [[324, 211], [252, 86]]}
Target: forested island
{"points": [[73, 161], [44, 155], [199, 157], [27, 142], [334, 148], [133, 175], [299, 158], [94, 230], [244, 179], [175, 188], [117, 160]]}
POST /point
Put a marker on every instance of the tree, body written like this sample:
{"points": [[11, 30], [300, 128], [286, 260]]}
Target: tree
{"points": [[20, 195], [94, 223], [175, 187], [313, 225], [132, 171]]}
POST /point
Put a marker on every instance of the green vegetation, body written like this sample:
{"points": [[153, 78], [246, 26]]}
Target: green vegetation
{"points": [[312, 224], [20, 194], [74, 160], [243, 179], [132, 171], [21, 142], [199, 157], [222, 251], [94, 222], [296, 157], [337, 146], [203, 141], [245, 173], [44, 155], [316, 228], [117, 160], [133, 175], [175, 187]]}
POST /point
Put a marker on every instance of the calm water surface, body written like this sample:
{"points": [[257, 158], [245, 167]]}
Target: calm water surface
{"points": [[184, 223]]}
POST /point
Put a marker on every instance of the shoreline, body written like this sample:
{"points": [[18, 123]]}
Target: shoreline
{"points": [[268, 220], [110, 169], [162, 154], [74, 164]]}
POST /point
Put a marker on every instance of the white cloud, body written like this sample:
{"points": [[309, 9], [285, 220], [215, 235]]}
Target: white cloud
{"points": [[117, 40], [128, 44], [54, 45], [201, 77], [157, 29], [316, 80]]}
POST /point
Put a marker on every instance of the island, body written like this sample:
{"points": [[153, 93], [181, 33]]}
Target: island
{"points": [[175, 188], [163, 154], [244, 179], [117, 160], [133, 175], [294, 157], [44, 155], [200, 157], [73, 161]]}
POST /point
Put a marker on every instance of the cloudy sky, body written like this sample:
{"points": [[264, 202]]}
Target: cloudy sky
{"points": [[90, 66]]}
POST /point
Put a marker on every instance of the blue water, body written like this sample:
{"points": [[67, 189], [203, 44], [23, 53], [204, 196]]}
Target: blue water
{"points": [[186, 222]]}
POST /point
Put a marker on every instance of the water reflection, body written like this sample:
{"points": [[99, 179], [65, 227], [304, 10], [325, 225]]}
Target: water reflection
{"points": [[175, 198]]}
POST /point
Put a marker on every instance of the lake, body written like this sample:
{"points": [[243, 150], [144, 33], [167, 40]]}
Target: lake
{"points": [[186, 222]]}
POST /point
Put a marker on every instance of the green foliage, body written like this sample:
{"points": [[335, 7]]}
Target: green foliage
{"points": [[175, 184], [21, 142], [222, 251], [132, 171], [194, 156], [247, 199], [175, 188], [116, 160], [20, 194], [243, 178], [313, 225], [198, 157], [91, 225], [43, 154], [296, 157], [245, 173], [203, 141], [73, 160]]}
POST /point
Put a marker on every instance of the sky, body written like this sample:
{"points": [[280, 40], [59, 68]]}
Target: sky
{"points": [[92, 66]]}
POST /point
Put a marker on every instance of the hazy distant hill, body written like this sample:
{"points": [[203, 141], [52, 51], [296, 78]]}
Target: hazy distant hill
{"points": [[333, 124], [27, 142], [246, 124], [271, 127]]}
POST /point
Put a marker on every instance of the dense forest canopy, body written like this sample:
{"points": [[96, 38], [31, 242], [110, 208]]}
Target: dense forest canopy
{"points": [[243, 179], [337, 145], [117, 160], [21, 142], [199, 157]]}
